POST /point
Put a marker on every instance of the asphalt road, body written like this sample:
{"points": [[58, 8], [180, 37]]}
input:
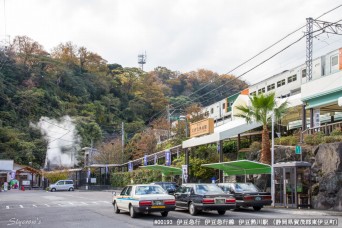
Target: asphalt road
{"points": [[94, 209]]}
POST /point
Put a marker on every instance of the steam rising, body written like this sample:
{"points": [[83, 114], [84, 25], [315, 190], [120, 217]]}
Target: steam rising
{"points": [[63, 141]]}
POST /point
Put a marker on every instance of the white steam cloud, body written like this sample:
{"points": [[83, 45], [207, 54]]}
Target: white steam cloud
{"points": [[63, 141]]}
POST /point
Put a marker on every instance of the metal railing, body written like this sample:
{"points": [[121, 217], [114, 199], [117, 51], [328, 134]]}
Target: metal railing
{"points": [[326, 129]]}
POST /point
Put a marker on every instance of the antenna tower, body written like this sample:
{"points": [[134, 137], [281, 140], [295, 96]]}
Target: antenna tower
{"points": [[142, 60]]}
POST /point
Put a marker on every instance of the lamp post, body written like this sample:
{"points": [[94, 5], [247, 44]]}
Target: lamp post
{"points": [[272, 161]]}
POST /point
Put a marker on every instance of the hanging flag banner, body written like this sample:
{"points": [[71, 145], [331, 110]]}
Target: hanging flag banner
{"points": [[145, 160], [155, 159], [130, 166], [184, 173], [88, 173], [168, 158], [218, 147], [106, 169]]}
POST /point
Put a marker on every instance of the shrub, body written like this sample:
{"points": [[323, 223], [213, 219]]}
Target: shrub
{"points": [[336, 132], [314, 139], [139, 176], [291, 140], [54, 176], [255, 146], [331, 139]]}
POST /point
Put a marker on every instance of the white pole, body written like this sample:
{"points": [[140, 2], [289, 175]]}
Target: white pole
{"points": [[272, 161]]}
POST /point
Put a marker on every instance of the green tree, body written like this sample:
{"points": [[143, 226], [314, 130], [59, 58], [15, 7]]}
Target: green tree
{"points": [[260, 111]]}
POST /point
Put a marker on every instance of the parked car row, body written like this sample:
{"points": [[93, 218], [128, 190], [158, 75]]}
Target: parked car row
{"points": [[167, 196]]}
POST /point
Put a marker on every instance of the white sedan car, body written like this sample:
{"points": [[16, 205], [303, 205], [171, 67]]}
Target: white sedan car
{"points": [[143, 198]]}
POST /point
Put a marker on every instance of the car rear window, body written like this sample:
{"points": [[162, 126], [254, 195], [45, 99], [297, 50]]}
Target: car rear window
{"points": [[208, 189], [246, 187], [143, 190]]}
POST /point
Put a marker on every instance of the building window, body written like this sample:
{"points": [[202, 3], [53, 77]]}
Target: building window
{"points": [[211, 110], [253, 93], [270, 87], [292, 78], [303, 73], [334, 61], [281, 83], [262, 90], [223, 106]]}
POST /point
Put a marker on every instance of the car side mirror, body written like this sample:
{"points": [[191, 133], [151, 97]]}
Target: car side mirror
{"points": [[114, 193]]}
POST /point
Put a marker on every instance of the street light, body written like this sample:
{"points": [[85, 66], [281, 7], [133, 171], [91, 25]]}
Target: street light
{"points": [[272, 161]]}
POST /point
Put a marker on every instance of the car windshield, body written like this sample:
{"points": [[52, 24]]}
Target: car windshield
{"points": [[208, 189], [246, 187], [143, 190]]}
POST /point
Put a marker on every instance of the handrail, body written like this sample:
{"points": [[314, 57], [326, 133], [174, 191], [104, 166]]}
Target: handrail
{"points": [[325, 129]]}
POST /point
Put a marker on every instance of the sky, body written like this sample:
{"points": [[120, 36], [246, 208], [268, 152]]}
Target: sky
{"points": [[182, 35]]}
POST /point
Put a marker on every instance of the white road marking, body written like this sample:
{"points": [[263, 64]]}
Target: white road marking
{"points": [[84, 203], [7, 207], [21, 206], [34, 205], [71, 203], [47, 205]]}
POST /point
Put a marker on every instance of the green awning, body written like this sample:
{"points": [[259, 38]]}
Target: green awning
{"points": [[241, 167], [165, 170], [323, 100]]}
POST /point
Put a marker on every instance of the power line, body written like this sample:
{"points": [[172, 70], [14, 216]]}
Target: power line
{"points": [[253, 57], [55, 125], [263, 51], [264, 61]]}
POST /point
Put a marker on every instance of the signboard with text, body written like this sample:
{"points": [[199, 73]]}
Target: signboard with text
{"points": [[202, 127], [298, 150], [317, 122]]}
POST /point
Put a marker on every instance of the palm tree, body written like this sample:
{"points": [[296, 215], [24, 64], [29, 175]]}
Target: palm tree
{"points": [[260, 110]]}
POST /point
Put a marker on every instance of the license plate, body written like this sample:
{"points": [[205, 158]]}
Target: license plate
{"points": [[258, 198], [158, 202], [158, 207], [220, 201]]}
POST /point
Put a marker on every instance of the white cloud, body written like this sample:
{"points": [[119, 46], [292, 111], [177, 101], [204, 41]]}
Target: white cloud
{"points": [[182, 35]]}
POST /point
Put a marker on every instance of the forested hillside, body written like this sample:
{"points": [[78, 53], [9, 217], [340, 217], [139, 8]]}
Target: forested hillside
{"points": [[74, 81]]}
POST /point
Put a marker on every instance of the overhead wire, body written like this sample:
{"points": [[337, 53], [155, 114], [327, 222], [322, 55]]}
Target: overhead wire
{"points": [[264, 50], [253, 57]]}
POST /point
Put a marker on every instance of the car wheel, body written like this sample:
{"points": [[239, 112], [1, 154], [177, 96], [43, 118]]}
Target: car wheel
{"points": [[164, 213], [116, 209], [256, 208], [221, 212], [71, 189], [53, 189], [132, 213], [192, 209]]}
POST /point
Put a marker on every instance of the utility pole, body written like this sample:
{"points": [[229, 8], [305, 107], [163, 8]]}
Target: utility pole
{"points": [[323, 27], [122, 142], [168, 121]]}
